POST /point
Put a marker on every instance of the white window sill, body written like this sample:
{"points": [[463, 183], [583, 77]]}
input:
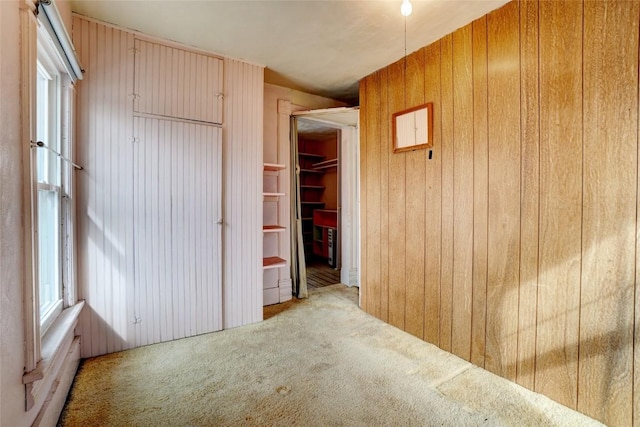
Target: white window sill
{"points": [[52, 342]]}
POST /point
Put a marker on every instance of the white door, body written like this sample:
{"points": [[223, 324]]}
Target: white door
{"points": [[177, 237]]}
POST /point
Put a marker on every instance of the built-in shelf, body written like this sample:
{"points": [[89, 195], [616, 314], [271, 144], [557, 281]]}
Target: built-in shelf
{"points": [[312, 203], [273, 228], [311, 155], [273, 262], [311, 171], [312, 187], [272, 194], [273, 167], [331, 163]]}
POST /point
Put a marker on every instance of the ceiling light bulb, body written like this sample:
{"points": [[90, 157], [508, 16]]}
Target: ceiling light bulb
{"points": [[406, 8]]}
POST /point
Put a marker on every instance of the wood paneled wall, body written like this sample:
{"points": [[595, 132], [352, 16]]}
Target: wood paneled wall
{"points": [[515, 245]]}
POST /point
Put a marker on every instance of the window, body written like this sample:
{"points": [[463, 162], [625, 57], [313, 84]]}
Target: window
{"points": [[50, 176]]}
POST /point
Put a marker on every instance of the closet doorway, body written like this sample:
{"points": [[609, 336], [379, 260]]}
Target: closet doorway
{"points": [[325, 146]]}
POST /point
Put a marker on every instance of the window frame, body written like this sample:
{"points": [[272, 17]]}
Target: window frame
{"points": [[56, 177], [51, 177]]}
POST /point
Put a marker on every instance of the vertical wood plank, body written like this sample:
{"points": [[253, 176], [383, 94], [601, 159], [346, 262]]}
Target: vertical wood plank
{"points": [[364, 202], [610, 119], [462, 292], [446, 286], [530, 192], [385, 143], [415, 206], [504, 190], [480, 191], [560, 201], [433, 200], [397, 217], [373, 195]]}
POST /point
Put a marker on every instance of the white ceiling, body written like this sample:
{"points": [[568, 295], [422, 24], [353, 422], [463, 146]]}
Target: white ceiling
{"points": [[320, 47]]}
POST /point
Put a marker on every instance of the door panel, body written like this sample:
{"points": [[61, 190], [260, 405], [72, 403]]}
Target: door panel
{"points": [[177, 83], [177, 203]]}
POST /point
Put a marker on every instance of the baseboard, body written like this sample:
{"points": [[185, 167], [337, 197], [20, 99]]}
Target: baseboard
{"points": [[54, 403], [285, 289], [270, 296], [353, 277]]}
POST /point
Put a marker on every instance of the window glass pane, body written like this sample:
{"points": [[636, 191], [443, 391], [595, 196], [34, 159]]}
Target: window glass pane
{"points": [[49, 249], [48, 164], [42, 127]]}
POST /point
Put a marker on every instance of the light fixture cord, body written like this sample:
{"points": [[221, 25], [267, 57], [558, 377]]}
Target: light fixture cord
{"points": [[404, 73]]}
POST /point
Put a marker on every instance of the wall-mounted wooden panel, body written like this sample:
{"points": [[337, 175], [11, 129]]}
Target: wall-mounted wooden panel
{"points": [[560, 200], [446, 142], [503, 58], [530, 182], [397, 195], [372, 154], [174, 82], [480, 192], [104, 148], [462, 291], [415, 207], [609, 169], [530, 220], [433, 196]]}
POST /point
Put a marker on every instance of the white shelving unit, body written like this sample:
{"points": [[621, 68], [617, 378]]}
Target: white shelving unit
{"points": [[273, 196]]}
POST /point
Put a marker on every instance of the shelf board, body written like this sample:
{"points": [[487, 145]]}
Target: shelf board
{"points": [[312, 203], [273, 228], [326, 164], [311, 171], [273, 262], [312, 187], [273, 167], [272, 194], [307, 218], [317, 156]]}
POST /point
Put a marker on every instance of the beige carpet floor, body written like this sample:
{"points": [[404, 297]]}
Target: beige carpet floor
{"points": [[315, 362]]}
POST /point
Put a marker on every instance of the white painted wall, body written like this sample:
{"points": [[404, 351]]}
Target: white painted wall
{"points": [[242, 136], [11, 213]]}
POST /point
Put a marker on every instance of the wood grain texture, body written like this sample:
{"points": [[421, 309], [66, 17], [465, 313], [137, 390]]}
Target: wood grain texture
{"points": [[605, 379], [385, 142], [364, 225], [462, 292], [560, 201], [504, 190], [415, 206], [530, 178], [373, 194], [433, 200], [446, 267], [480, 191], [554, 200], [397, 216]]}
